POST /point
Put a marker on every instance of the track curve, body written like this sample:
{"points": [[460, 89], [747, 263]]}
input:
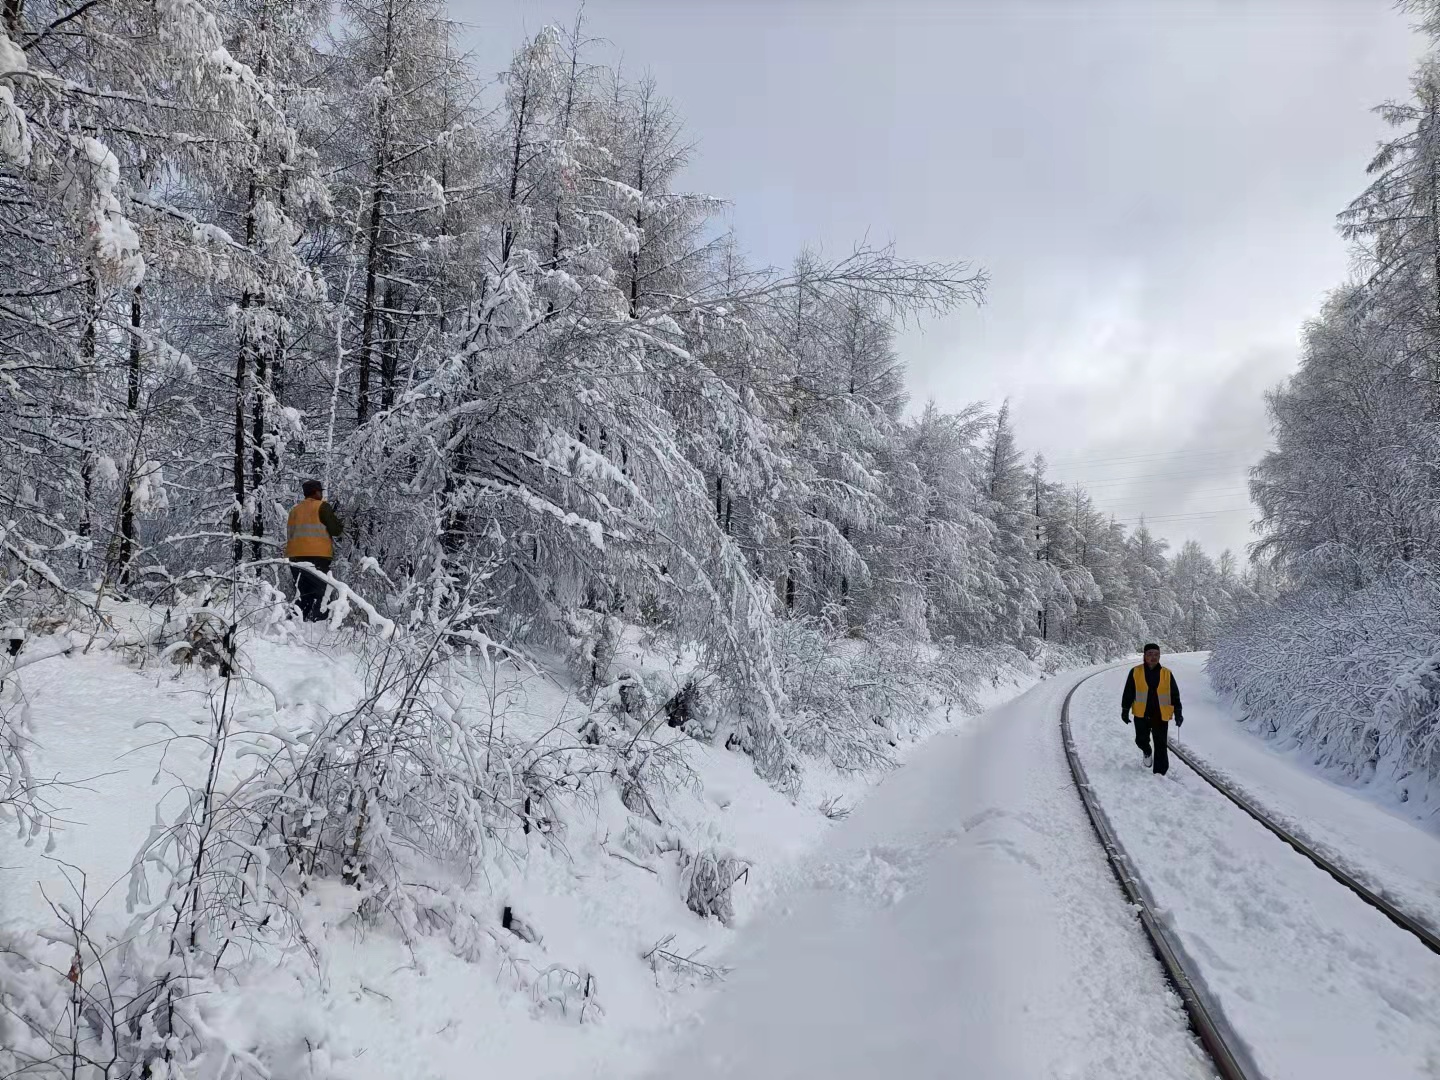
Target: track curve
{"points": [[1226, 1049]]}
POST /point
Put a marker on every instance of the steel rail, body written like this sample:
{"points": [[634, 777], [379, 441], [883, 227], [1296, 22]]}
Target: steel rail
{"points": [[1426, 935], [1227, 1051]]}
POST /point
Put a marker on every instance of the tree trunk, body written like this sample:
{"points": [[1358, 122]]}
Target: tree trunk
{"points": [[242, 376], [790, 577], [442, 283], [132, 405], [373, 254], [242, 366], [522, 123], [1433, 365], [85, 527], [372, 276], [389, 349], [566, 117], [258, 453], [639, 210]]}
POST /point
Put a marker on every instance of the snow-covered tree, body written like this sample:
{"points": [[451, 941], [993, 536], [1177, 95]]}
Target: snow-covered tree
{"points": [[263, 241], [1325, 638], [1149, 571], [1010, 508]]}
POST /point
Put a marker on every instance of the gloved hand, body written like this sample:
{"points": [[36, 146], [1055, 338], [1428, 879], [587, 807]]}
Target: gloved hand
{"points": [[1124, 716], [1179, 720]]}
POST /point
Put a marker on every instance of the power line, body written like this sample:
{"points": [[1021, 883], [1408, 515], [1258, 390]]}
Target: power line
{"points": [[1064, 464], [1207, 488], [1141, 498], [1185, 484], [1155, 511], [1140, 479], [1181, 517], [1123, 498]]}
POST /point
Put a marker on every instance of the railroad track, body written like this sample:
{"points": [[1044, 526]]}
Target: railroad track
{"points": [[1232, 1059], [1227, 1050], [1428, 937]]}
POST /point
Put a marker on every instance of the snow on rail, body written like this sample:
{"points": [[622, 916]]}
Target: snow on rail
{"points": [[1224, 1046], [1427, 936]]}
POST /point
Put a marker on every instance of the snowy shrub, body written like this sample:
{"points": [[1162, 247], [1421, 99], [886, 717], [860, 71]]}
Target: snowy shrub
{"points": [[22, 807], [206, 641], [73, 1007], [686, 710], [1051, 657], [832, 717], [594, 639], [161, 995], [639, 751], [632, 696], [707, 879], [852, 701], [674, 970], [1353, 678], [557, 990], [402, 770]]}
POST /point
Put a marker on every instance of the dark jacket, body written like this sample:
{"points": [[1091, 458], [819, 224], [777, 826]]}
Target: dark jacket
{"points": [[330, 520], [1152, 680]]}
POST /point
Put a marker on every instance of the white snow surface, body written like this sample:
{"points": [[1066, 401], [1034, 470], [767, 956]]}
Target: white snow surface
{"points": [[963, 922], [1383, 847], [1318, 984], [430, 1006]]}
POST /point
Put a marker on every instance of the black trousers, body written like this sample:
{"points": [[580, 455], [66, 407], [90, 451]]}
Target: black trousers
{"points": [[309, 589], [1159, 732]]}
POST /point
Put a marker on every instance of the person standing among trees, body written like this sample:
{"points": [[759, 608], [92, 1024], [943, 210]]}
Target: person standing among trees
{"points": [[310, 535], [1153, 696]]}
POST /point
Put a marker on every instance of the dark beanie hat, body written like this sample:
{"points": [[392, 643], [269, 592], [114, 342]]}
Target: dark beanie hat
{"points": [[312, 487], [1152, 645]]}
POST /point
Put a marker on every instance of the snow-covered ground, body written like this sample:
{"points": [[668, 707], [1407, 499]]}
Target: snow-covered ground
{"points": [[105, 731], [962, 923], [1319, 984], [467, 993], [1380, 845]]}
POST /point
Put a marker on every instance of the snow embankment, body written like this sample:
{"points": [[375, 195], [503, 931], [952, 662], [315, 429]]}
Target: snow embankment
{"points": [[570, 952]]}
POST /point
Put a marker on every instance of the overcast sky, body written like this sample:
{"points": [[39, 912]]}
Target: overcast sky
{"points": [[1151, 185]]}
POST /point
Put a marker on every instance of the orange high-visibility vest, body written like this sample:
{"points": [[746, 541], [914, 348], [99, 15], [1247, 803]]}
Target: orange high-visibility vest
{"points": [[305, 534], [1162, 691]]}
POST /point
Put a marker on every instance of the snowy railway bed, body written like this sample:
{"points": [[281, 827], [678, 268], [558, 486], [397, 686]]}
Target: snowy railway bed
{"points": [[1283, 974], [1227, 1052], [962, 922], [1400, 918]]}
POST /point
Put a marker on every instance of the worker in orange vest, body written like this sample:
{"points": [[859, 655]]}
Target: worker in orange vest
{"points": [[310, 537], [1153, 696]]}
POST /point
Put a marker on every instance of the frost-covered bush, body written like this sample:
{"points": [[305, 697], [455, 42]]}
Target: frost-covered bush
{"points": [[82, 1005], [851, 700], [211, 903], [1353, 678], [708, 879], [21, 808], [1051, 657]]}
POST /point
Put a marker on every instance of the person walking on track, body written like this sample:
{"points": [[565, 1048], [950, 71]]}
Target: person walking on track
{"points": [[1153, 696], [310, 537]]}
